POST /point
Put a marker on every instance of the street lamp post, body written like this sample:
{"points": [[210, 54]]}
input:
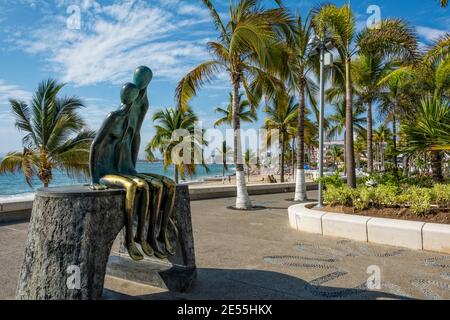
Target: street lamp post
{"points": [[323, 46]]}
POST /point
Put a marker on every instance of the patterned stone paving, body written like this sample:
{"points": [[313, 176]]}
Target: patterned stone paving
{"points": [[256, 255]]}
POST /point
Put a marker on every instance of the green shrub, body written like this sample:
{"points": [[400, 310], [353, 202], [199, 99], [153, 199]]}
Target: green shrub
{"points": [[363, 197], [386, 196], [338, 195], [440, 195], [419, 199], [334, 180]]}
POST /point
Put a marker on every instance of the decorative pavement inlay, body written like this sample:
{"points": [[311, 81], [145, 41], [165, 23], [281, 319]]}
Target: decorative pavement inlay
{"points": [[335, 260]]}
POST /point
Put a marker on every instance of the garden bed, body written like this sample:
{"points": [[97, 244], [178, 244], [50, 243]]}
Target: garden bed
{"points": [[441, 216]]}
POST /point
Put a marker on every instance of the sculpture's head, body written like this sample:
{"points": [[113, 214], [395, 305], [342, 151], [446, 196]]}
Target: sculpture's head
{"points": [[142, 77], [129, 93]]}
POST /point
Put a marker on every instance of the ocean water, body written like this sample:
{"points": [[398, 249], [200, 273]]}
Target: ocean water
{"points": [[12, 185]]}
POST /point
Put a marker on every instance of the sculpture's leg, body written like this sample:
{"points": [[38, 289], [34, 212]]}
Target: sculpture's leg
{"points": [[167, 215], [143, 214], [169, 203], [158, 189], [131, 189]]}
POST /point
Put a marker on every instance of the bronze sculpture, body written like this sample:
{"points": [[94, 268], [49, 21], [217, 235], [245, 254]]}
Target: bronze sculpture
{"points": [[113, 160]]}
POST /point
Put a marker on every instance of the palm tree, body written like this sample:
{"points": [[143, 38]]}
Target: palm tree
{"points": [[245, 112], [360, 148], [250, 159], [380, 137], [428, 132], [335, 154], [282, 112], [168, 122], [368, 70], [302, 62], [337, 120], [55, 136], [247, 49], [393, 38], [224, 151], [395, 86]]}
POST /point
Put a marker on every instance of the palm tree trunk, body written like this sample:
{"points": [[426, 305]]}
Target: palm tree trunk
{"points": [[436, 166], [394, 136], [293, 159], [350, 151], [358, 161], [405, 165], [283, 150], [300, 180], [223, 172], [369, 138], [175, 175], [242, 200], [345, 152]]}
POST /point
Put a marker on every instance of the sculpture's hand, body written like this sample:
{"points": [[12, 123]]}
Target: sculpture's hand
{"points": [[98, 187]]}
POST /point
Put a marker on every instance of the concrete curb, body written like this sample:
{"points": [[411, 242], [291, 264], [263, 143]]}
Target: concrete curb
{"points": [[399, 233], [12, 210]]}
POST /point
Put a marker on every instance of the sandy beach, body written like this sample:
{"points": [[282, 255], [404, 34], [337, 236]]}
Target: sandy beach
{"points": [[231, 180]]}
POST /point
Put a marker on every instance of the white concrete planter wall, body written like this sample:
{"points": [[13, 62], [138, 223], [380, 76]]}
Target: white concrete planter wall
{"points": [[400, 233]]}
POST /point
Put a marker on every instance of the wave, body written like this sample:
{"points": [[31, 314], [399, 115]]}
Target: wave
{"points": [[29, 196]]}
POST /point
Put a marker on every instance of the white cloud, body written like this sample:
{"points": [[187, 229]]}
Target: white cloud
{"points": [[114, 39], [9, 91], [430, 34]]}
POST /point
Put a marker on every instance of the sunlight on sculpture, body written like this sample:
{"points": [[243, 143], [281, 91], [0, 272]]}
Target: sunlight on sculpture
{"points": [[113, 165]]}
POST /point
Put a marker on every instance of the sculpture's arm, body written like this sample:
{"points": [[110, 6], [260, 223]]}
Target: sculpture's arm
{"points": [[96, 147], [135, 148]]}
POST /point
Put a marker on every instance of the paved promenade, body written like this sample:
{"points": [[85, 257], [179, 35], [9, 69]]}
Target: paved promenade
{"points": [[255, 255]]}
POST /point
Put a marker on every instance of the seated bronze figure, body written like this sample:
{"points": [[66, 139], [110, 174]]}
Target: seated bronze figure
{"points": [[113, 160]]}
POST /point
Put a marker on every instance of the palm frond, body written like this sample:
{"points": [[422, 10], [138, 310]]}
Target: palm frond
{"points": [[188, 86]]}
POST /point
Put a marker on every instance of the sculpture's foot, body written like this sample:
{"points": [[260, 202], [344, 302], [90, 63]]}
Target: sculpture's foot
{"points": [[160, 255], [134, 252], [148, 251], [157, 252], [169, 248], [98, 187]]}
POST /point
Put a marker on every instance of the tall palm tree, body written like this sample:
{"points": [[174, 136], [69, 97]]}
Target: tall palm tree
{"points": [[55, 136], [302, 61], [168, 122], [247, 49], [282, 113], [368, 70], [393, 38], [428, 132], [395, 91], [245, 112]]}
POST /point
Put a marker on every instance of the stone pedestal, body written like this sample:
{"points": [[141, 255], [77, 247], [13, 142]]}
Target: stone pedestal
{"points": [[70, 237], [176, 273], [71, 234]]}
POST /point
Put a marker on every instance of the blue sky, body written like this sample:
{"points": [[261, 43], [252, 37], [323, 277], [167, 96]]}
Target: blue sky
{"points": [[169, 36]]}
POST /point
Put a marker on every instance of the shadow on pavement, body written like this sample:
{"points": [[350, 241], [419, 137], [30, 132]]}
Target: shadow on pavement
{"points": [[222, 284]]}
